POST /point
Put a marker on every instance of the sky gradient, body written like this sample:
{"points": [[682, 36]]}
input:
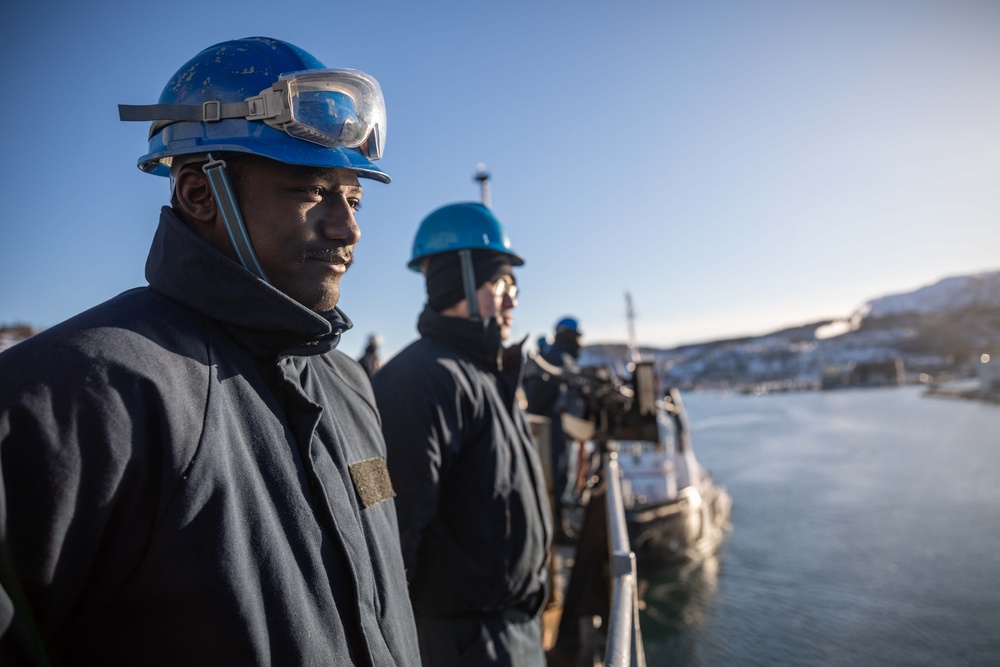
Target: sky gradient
{"points": [[737, 166]]}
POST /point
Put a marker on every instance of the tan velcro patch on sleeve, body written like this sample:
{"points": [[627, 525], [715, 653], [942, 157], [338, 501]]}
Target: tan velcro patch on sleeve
{"points": [[371, 479]]}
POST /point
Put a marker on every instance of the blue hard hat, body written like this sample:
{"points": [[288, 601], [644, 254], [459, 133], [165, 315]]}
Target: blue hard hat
{"points": [[459, 226], [569, 324], [231, 72]]}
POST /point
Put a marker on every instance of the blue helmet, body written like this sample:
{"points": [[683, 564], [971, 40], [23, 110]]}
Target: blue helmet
{"points": [[270, 98], [466, 225], [569, 324]]}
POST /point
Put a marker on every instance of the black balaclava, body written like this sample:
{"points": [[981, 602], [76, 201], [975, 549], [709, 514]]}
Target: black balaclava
{"points": [[444, 275]]}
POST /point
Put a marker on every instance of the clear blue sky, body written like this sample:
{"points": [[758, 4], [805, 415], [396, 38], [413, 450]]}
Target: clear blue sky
{"points": [[738, 166]]}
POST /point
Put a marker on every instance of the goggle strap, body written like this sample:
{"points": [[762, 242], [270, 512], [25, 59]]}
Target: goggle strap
{"points": [[224, 197], [168, 114], [469, 282], [207, 112]]}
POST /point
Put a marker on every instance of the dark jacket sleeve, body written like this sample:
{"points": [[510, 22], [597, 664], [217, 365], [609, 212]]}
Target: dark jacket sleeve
{"points": [[75, 432]]}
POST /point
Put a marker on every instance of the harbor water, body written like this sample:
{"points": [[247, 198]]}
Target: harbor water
{"points": [[866, 531]]}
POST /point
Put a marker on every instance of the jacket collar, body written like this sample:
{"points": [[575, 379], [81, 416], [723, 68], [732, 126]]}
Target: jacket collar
{"points": [[184, 267], [479, 340]]}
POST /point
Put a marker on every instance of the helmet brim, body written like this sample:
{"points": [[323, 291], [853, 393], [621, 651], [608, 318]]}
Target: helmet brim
{"points": [[254, 138]]}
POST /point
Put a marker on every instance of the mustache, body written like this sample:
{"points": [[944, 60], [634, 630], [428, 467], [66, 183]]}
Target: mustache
{"points": [[342, 255]]}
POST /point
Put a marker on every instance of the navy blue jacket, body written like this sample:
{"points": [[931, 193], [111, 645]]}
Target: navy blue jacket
{"points": [[473, 509], [193, 475]]}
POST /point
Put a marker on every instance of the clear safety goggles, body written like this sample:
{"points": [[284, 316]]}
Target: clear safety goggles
{"points": [[335, 108]]}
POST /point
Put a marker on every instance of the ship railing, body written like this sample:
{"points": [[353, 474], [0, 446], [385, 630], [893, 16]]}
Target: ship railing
{"points": [[624, 639]]}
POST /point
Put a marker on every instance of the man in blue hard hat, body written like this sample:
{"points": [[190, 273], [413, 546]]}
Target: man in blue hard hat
{"points": [[549, 395], [471, 498], [192, 474]]}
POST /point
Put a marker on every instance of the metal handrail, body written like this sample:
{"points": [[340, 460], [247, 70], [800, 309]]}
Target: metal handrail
{"points": [[624, 644]]}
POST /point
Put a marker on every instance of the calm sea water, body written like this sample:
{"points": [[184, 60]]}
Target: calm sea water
{"points": [[866, 531]]}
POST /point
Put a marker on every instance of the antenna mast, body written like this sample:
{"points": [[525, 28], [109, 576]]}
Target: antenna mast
{"points": [[483, 177], [633, 348]]}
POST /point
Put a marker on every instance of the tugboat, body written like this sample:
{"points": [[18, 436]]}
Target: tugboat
{"points": [[646, 505], [675, 511]]}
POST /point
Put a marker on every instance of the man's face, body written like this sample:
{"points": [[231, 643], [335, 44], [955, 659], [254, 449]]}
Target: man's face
{"points": [[499, 299], [301, 223]]}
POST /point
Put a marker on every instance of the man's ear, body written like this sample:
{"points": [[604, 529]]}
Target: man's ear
{"points": [[193, 196]]}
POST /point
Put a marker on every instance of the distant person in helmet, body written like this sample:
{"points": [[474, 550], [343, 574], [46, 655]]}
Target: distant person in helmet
{"points": [[369, 360], [192, 473], [471, 497], [549, 396]]}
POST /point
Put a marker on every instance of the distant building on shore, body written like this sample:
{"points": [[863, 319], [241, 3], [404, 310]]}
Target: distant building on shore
{"points": [[864, 374], [989, 375]]}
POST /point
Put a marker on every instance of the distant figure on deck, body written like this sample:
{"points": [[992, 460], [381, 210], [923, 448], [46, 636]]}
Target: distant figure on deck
{"points": [[369, 360], [471, 496], [547, 395]]}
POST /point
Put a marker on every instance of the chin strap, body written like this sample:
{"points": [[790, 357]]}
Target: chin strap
{"points": [[224, 197], [469, 282]]}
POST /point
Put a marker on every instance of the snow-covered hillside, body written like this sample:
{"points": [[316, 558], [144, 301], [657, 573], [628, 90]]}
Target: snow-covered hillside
{"points": [[948, 294], [941, 328]]}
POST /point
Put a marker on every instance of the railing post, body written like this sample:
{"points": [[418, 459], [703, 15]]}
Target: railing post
{"points": [[624, 643]]}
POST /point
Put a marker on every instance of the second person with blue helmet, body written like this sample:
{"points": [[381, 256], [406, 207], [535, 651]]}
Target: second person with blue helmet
{"points": [[471, 497]]}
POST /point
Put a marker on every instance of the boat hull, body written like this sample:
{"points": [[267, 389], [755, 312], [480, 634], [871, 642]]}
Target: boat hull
{"points": [[689, 527]]}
